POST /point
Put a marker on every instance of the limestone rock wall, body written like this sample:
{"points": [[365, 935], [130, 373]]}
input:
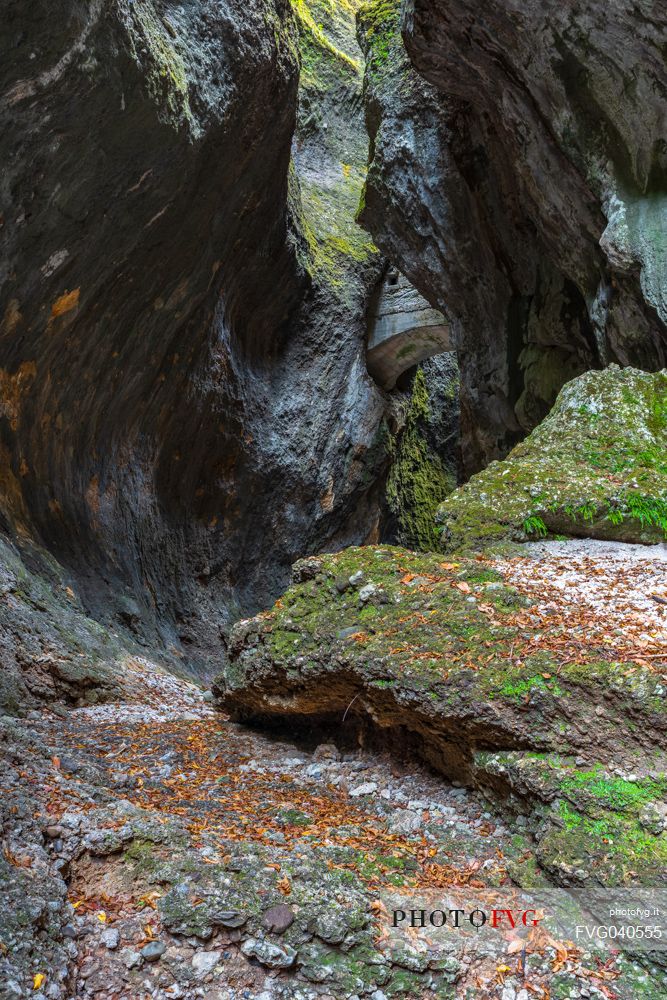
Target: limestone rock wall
{"points": [[185, 406]]}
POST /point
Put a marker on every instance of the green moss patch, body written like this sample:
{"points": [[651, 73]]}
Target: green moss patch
{"points": [[589, 823], [380, 34]]}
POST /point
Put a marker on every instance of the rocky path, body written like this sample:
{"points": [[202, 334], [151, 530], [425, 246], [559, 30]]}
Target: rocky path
{"points": [[154, 849]]}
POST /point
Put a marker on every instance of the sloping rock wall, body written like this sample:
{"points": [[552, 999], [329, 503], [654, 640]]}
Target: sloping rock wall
{"points": [[518, 179], [181, 313]]}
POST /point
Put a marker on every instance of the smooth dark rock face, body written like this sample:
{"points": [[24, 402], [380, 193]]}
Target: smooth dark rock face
{"points": [[518, 178], [184, 402]]}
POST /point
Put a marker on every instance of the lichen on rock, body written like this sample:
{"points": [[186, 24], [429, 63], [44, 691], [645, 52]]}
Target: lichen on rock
{"points": [[595, 468]]}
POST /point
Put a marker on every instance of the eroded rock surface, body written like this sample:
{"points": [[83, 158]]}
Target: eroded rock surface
{"points": [[183, 305], [185, 290]]}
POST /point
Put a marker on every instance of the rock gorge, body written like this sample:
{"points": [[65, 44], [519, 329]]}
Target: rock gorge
{"points": [[327, 307], [514, 149], [183, 311]]}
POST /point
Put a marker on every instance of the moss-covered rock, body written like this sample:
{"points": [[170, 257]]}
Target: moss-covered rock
{"points": [[331, 148], [445, 658], [589, 821], [595, 467], [380, 35], [420, 477]]}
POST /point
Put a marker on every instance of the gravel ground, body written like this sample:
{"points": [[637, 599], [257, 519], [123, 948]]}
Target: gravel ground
{"points": [[614, 588]]}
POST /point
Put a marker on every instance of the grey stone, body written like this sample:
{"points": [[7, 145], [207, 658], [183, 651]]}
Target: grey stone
{"points": [[131, 958], [205, 961], [174, 992], [306, 569], [271, 955], [152, 951], [110, 938], [331, 926], [410, 121], [404, 330], [327, 751], [227, 918], [405, 821], [368, 788]]}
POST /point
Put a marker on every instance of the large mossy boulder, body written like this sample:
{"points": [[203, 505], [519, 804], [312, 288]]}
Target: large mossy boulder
{"points": [[445, 661], [596, 467]]}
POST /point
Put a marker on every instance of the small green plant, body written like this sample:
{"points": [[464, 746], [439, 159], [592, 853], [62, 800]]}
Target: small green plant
{"points": [[534, 525], [649, 511], [587, 511]]}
